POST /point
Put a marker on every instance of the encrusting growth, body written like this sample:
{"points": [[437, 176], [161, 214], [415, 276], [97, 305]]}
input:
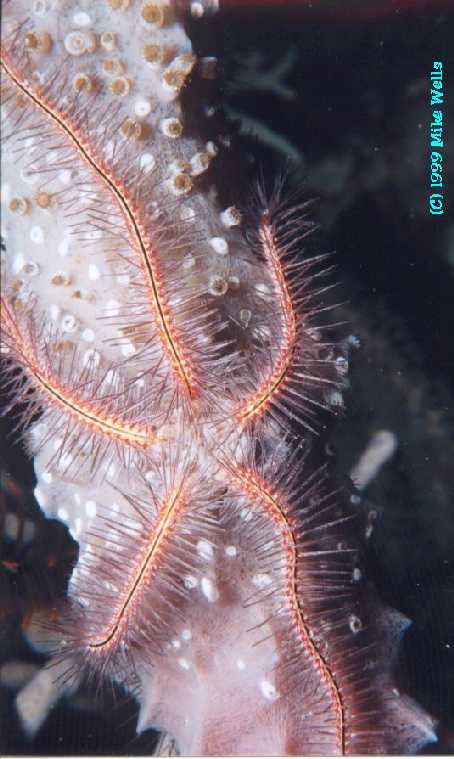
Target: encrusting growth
{"points": [[175, 373]]}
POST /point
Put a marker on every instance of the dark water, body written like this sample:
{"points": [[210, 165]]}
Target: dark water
{"points": [[353, 108]]}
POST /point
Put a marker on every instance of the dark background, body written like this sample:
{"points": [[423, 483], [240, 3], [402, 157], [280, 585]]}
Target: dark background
{"points": [[356, 114]]}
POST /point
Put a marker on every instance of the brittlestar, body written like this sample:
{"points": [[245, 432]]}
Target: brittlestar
{"points": [[177, 354]]}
